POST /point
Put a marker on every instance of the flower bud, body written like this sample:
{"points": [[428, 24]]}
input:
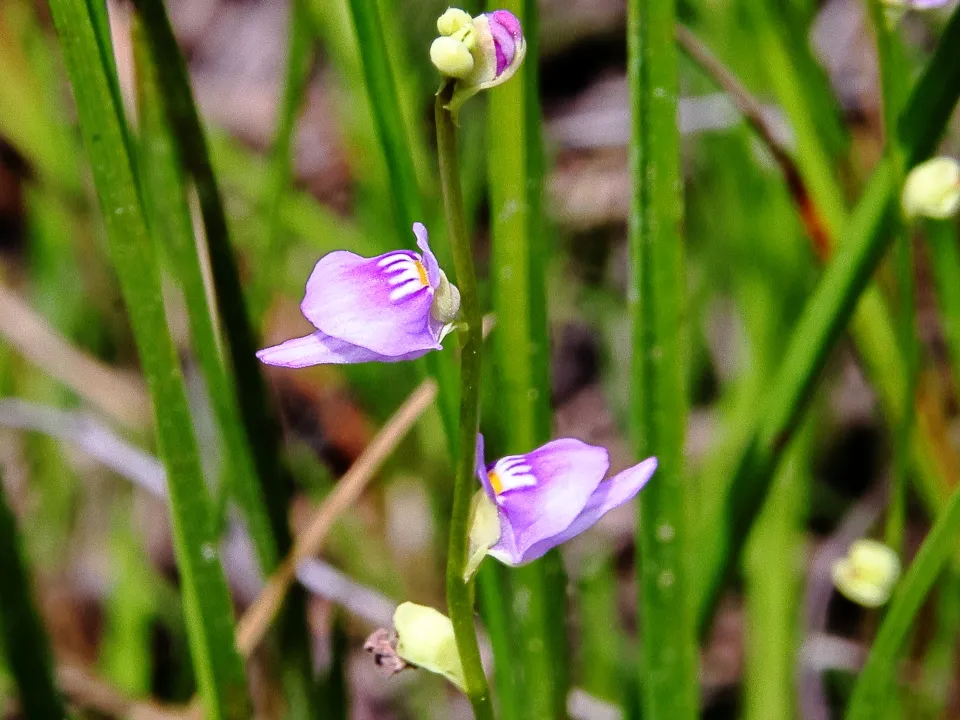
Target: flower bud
{"points": [[484, 532], [426, 639], [451, 57], [446, 301], [932, 189], [868, 573], [495, 42], [453, 20]]}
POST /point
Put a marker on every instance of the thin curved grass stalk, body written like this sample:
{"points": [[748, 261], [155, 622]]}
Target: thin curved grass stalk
{"points": [[872, 691], [656, 299], [206, 597], [828, 312]]}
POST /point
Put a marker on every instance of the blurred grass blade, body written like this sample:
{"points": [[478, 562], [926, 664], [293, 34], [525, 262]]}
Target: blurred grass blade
{"points": [[263, 487], [388, 118], [943, 245], [206, 597], [872, 690], [299, 62], [521, 346], [773, 564], [657, 303], [165, 198], [826, 315], [21, 634]]}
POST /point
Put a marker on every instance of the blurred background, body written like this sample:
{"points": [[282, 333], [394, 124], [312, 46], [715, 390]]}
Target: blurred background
{"points": [[76, 444]]}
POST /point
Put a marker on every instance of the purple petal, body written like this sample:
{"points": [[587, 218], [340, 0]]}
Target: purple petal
{"points": [[319, 349], [566, 472], [481, 469], [503, 41], [509, 21], [609, 494], [381, 303], [429, 259]]}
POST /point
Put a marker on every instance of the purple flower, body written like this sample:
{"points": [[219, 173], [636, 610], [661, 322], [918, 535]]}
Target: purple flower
{"points": [[479, 52], [388, 308], [548, 496]]}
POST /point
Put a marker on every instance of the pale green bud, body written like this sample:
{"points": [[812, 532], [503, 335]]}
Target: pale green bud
{"points": [[932, 189], [451, 57], [453, 20], [446, 301], [426, 639], [868, 573], [484, 531]]}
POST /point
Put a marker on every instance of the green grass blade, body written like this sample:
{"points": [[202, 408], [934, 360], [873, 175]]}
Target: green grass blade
{"points": [[826, 314], [299, 61], [514, 165], [21, 634], [388, 117], [872, 690], [206, 598], [773, 564], [656, 300], [265, 502], [944, 250]]}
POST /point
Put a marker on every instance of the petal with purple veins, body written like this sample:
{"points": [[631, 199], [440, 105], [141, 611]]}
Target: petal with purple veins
{"points": [[566, 473], [610, 494], [319, 349], [381, 303]]}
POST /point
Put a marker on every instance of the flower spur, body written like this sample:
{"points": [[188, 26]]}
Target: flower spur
{"points": [[392, 307]]}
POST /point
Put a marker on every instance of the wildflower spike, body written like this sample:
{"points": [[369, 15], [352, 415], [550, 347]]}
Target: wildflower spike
{"points": [[389, 308], [477, 53]]}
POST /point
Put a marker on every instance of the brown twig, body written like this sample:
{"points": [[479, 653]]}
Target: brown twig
{"points": [[256, 620], [121, 396], [89, 691], [753, 113]]}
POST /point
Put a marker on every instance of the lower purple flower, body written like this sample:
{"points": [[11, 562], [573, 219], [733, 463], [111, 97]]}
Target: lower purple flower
{"points": [[388, 308], [552, 494]]}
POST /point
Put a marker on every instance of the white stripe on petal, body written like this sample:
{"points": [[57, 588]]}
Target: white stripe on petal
{"points": [[408, 288], [393, 259], [400, 278]]}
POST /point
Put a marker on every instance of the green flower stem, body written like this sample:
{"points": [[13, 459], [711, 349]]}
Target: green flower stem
{"points": [[657, 304], [206, 597], [827, 313], [21, 632], [459, 593]]}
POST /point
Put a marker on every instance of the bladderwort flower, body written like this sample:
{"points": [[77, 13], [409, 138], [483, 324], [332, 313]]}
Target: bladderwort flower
{"points": [[932, 189], [389, 308], [477, 52], [868, 573], [531, 503]]}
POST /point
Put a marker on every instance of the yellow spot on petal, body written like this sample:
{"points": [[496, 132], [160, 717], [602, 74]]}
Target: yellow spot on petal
{"points": [[495, 482], [422, 272]]}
